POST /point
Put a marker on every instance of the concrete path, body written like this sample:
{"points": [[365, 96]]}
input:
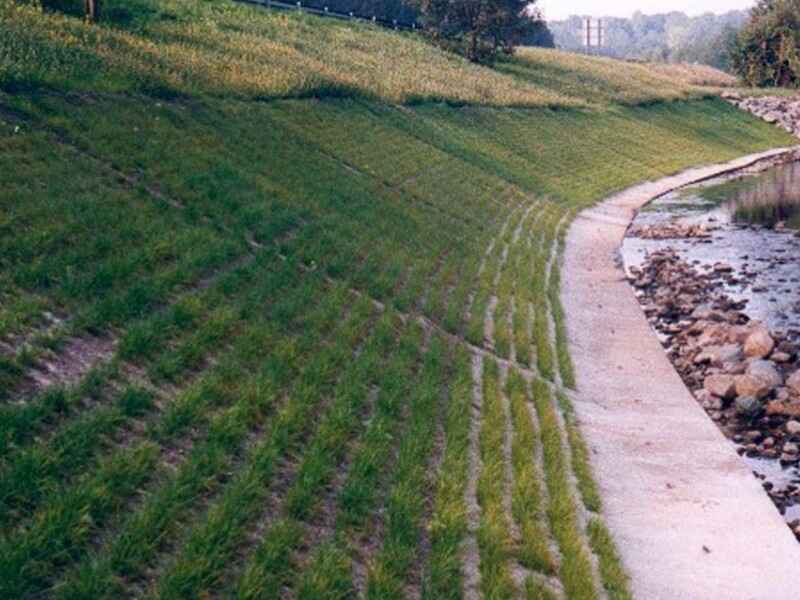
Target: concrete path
{"points": [[689, 518]]}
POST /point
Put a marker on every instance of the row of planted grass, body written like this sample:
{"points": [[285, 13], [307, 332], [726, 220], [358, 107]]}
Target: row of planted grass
{"points": [[141, 539], [30, 470], [62, 518]]}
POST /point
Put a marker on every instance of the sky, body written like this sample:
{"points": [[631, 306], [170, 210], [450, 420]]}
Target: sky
{"points": [[559, 9]]}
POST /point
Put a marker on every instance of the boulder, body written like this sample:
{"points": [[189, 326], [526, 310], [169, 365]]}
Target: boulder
{"points": [[765, 369], [752, 385], [759, 343], [720, 385], [738, 334], [719, 355], [747, 406], [781, 357], [776, 407], [793, 383], [793, 427], [715, 334]]}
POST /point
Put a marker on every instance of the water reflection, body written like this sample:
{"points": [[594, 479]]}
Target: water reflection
{"points": [[767, 199]]}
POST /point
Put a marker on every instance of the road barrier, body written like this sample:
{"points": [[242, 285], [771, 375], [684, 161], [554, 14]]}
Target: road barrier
{"points": [[325, 12]]}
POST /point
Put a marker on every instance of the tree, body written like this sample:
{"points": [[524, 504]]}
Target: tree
{"points": [[477, 28], [767, 51]]}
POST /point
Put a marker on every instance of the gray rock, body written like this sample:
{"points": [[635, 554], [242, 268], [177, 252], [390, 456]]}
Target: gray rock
{"points": [[748, 406], [766, 370], [793, 427]]}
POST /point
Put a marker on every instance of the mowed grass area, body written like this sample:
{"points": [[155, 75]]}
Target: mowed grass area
{"points": [[263, 346]]}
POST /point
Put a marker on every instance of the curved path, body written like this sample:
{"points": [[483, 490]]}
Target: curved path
{"points": [[689, 518]]}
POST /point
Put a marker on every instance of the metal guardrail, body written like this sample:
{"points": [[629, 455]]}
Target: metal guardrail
{"points": [[325, 12]]}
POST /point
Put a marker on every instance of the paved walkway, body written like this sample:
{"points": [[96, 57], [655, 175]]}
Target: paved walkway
{"points": [[689, 518]]}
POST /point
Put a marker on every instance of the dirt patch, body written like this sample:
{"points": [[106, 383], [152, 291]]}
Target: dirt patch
{"points": [[471, 558], [75, 359]]}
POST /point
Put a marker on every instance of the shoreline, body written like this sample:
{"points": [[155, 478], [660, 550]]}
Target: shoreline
{"points": [[672, 484]]}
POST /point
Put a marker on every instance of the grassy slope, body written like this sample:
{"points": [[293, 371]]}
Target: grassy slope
{"points": [[225, 203]]}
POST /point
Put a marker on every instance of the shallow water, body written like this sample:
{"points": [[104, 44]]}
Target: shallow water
{"points": [[766, 199], [765, 260]]}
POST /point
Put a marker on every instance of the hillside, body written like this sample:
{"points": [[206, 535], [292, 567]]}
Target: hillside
{"points": [[280, 310]]}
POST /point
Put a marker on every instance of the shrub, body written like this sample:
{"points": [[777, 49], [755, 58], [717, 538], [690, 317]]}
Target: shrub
{"points": [[767, 52]]}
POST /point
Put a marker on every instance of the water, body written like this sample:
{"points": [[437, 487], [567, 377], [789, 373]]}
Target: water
{"points": [[769, 199], [742, 213]]}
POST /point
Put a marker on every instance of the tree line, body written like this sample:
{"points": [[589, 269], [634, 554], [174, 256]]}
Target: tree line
{"points": [[670, 37], [760, 46]]}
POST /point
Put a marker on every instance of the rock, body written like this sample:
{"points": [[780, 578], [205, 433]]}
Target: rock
{"points": [[720, 355], [722, 268], [754, 435], [788, 459], [781, 357], [793, 383], [729, 353], [766, 370], [734, 368], [793, 427], [705, 312], [715, 334], [759, 343], [722, 386], [748, 406], [790, 448], [751, 385], [738, 334], [776, 408]]}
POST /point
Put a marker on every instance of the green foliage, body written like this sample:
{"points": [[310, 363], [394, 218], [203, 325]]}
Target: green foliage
{"points": [[480, 29], [767, 51]]}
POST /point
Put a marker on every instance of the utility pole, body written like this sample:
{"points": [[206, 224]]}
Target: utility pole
{"points": [[594, 34]]}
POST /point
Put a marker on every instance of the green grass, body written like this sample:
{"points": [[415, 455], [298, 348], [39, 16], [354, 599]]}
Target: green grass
{"points": [[291, 251], [495, 540], [575, 570]]}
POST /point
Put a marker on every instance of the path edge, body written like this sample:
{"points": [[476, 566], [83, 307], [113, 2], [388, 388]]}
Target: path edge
{"points": [[688, 517]]}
